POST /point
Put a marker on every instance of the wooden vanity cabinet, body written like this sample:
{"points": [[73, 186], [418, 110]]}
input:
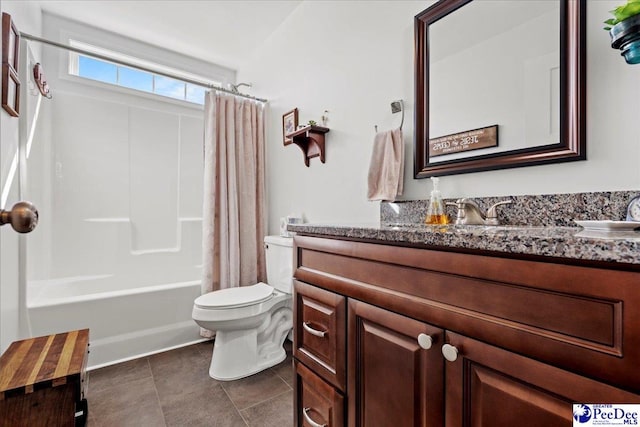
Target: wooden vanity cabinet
{"points": [[525, 339]]}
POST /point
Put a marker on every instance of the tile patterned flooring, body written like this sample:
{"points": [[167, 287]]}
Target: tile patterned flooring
{"points": [[174, 389]]}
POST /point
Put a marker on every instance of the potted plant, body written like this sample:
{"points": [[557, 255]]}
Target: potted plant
{"points": [[624, 29]]}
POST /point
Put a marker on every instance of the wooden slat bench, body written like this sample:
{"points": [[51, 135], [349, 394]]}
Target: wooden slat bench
{"points": [[42, 381]]}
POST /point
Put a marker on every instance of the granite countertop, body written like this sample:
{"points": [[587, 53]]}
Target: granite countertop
{"points": [[552, 241]]}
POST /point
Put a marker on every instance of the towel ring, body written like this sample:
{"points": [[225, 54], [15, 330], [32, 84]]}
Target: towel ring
{"points": [[396, 107]]}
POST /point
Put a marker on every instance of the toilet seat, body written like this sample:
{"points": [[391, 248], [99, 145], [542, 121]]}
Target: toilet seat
{"points": [[235, 297]]}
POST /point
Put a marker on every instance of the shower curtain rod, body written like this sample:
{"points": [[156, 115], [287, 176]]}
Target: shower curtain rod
{"points": [[128, 64]]}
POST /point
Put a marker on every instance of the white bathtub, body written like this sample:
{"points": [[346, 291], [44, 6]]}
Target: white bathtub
{"points": [[124, 322]]}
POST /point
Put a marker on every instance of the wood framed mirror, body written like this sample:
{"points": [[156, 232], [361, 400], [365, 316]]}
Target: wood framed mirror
{"points": [[549, 129]]}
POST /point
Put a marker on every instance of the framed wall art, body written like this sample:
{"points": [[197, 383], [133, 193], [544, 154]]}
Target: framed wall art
{"points": [[10, 58], [289, 124], [10, 92]]}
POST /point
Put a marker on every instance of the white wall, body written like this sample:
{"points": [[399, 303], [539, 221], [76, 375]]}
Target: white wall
{"points": [[353, 58], [27, 18]]}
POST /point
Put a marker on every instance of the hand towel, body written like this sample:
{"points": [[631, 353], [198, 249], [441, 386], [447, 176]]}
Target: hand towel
{"points": [[386, 169]]}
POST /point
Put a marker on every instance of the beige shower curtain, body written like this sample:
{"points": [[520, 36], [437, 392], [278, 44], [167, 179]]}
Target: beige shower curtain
{"points": [[234, 213]]}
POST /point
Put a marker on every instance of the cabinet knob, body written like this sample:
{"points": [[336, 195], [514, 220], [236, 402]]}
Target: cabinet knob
{"points": [[306, 326], [425, 341], [450, 352], [309, 420]]}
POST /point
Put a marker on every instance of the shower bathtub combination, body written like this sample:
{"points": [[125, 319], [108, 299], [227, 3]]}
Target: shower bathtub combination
{"points": [[117, 177]]}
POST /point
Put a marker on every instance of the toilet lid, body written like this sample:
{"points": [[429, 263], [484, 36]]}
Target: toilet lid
{"points": [[235, 297]]}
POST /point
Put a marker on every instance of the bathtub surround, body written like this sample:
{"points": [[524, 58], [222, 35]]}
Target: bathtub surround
{"points": [[234, 193], [118, 184]]}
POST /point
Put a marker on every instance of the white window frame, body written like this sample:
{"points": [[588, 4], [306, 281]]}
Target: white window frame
{"points": [[146, 66]]}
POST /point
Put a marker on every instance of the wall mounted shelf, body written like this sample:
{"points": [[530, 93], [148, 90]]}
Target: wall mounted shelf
{"points": [[310, 139]]}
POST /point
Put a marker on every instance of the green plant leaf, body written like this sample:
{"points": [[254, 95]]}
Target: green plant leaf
{"points": [[607, 28], [619, 14], [628, 10], [633, 8], [617, 11], [623, 12]]}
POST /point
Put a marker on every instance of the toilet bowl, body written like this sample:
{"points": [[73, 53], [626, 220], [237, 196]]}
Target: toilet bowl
{"points": [[251, 322]]}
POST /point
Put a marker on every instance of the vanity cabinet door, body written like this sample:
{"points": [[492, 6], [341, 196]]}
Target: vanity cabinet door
{"points": [[395, 369], [489, 386]]}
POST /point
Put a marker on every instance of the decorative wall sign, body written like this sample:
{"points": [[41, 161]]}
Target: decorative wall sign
{"points": [[10, 81], [464, 141]]}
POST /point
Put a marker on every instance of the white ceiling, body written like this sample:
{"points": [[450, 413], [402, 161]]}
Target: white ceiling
{"points": [[223, 32]]}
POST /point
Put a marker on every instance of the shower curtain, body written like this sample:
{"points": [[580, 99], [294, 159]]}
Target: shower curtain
{"points": [[234, 213]]}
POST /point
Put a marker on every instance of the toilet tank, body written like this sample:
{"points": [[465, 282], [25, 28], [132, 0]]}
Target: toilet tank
{"points": [[279, 256]]}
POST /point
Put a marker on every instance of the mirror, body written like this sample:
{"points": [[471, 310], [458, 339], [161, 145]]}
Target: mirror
{"points": [[499, 85]]}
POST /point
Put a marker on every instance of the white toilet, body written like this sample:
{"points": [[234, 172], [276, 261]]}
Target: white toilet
{"points": [[251, 322]]}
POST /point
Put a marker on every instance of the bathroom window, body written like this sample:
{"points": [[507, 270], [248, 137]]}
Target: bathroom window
{"points": [[104, 71]]}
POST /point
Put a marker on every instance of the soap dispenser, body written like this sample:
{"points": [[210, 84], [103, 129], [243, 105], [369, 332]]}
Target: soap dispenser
{"points": [[435, 213]]}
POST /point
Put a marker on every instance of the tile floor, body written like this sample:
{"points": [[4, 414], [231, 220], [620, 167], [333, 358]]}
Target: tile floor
{"points": [[174, 389]]}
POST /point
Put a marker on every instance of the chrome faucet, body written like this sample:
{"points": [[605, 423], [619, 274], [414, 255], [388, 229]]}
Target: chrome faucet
{"points": [[469, 213]]}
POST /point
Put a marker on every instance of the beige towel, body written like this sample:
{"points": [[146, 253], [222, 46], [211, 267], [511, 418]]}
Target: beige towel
{"points": [[386, 170]]}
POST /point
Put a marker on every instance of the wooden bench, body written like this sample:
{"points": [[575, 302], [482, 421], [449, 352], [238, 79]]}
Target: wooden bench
{"points": [[42, 381]]}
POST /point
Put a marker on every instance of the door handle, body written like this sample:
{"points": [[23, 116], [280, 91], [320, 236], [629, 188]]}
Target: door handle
{"points": [[23, 217]]}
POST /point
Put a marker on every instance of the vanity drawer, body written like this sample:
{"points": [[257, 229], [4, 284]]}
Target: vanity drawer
{"points": [[319, 340], [317, 403]]}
